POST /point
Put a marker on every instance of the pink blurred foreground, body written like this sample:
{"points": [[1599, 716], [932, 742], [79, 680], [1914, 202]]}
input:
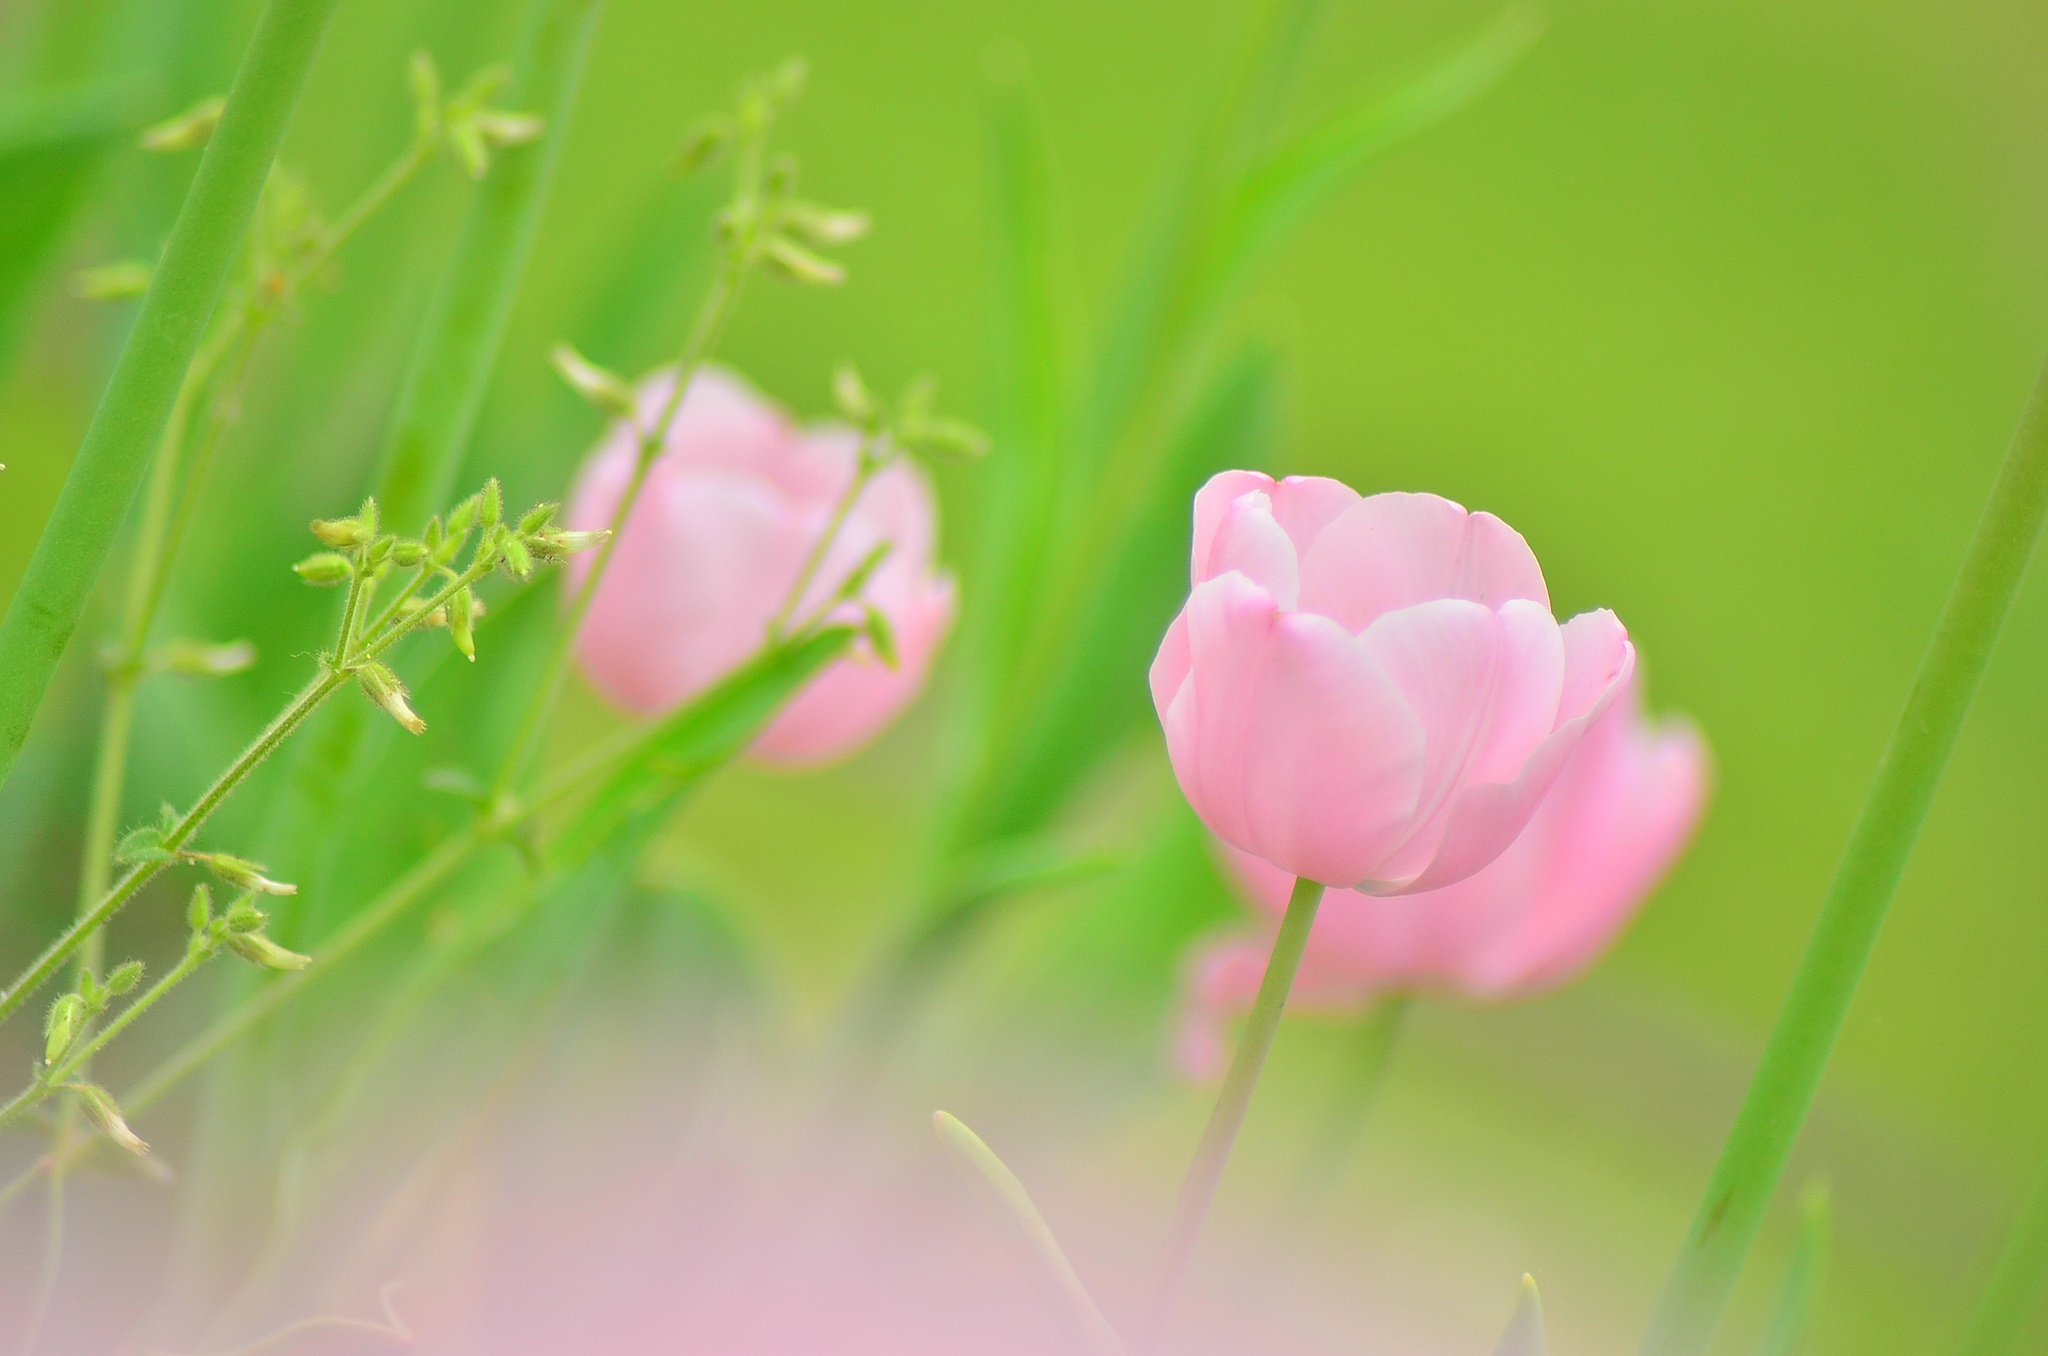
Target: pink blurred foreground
{"points": [[1371, 692], [1616, 819], [731, 508]]}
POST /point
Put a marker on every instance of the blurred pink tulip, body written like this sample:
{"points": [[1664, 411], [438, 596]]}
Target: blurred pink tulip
{"points": [[731, 508], [1618, 816], [1371, 692]]}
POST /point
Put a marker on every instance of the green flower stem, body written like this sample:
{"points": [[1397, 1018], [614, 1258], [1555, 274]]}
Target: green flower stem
{"points": [[147, 377], [2016, 1279], [1868, 873], [1213, 1153], [266, 743], [711, 318], [864, 471], [1358, 1091]]}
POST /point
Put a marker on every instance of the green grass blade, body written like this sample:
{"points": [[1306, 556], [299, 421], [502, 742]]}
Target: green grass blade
{"points": [[2016, 1280], [131, 415], [1866, 877], [1803, 1276], [1288, 184], [697, 739], [465, 327]]}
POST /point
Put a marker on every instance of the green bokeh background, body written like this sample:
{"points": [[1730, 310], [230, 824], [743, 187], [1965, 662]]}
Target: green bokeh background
{"points": [[1728, 306]]}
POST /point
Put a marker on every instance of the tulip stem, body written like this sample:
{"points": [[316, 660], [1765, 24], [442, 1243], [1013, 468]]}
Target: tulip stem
{"points": [[1358, 1092], [1866, 877], [1213, 1153], [2015, 1285]]}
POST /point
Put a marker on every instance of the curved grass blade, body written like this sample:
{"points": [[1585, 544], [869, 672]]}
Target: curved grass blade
{"points": [[131, 415]]}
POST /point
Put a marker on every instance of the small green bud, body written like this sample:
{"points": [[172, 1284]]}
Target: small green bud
{"points": [[257, 949], [243, 874], [325, 569], [188, 131], [852, 396], [408, 555], [368, 515], [117, 281], [704, 145], [787, 259], [425, 78], [461, 623], [606, 390], [536, 518], [61, 1027], [124, 977], [243, 916], [380, 551], [943, 436], [99, 1107], [493, 500], [518, 561], [462, 517], [342, 533], [199, 909], [381, 686], [500, 128], [199, 660], [881, 635], [470, 151], [556, 543], [823, 226]]}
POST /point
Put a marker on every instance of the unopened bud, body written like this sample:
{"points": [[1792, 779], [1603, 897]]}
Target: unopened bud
{"points": [[100, 1109], [124, 977], [852, 396], [461, 623], [116, 281], [257, 949], [787, 259], [199, 910], [408, 554], [500, 128], [242, 874], [242, 916], [492, 501], [536, 518], [824, 226], [606, 390], [61, 1027], [425, 78], [381, 686], [188, 131], [461, 518], [942, 436], [325, 569], [200, 660], [554, 545], [517, 559], [704, 145], [470, 150]]}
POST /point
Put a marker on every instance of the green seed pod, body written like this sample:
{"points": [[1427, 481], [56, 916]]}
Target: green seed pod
{"points": [[61, 1027], [325, 570], [257, 949], [461, 618], [199, 911], [99, 1107], [125, 977]]}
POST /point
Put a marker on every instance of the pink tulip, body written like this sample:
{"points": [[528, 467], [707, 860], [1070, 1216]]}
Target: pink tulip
{"points": [[1617, 817], [1371, 692], [731, 508]]}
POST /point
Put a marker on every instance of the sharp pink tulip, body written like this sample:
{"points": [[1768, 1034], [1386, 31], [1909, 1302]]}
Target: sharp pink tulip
{"points": [[1620, 813], [731, 508], [1371, 692]]}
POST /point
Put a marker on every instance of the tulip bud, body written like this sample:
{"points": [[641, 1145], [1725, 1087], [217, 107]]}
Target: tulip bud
{"points": [[787, 259], [61, 1027], [125, 977], [188, 131], [603, 389], [116, 281], [342, 533], [199, 909], [325, 569], [257, 949], [381, 686], [100, 1109], [243, 875], [461, 618]]}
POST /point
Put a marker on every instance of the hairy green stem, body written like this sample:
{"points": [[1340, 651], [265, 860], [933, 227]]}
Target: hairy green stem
{"points": [[1868, 873], [2016, 1280], [1220, 1134], [147, 377]]}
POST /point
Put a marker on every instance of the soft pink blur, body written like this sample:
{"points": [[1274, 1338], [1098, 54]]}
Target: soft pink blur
{"points": [[731, 508], [1617, 818], [1371, 692]]}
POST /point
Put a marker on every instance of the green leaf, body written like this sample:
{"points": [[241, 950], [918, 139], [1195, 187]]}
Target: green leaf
{"points": [[137, 402], [1281, 190], [145, 844], [1100, 692], [1524, 1336], [1803, 1276], [698, 738]]}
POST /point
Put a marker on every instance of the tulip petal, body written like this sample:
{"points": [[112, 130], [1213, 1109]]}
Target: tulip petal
{"points": [[1248, 541], [1305, 505], [1392, 551], [1212, 503]]}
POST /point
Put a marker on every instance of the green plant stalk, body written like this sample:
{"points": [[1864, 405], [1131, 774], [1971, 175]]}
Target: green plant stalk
{"points": [[1783, 1088], [137, 404], [711, 318], [1357, 1093], [864, 471], [2015, 1285], [1220, 1134]]}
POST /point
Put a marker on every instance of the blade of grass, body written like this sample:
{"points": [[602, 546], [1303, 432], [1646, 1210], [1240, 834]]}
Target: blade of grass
{"points": [[1803, 1276], [2015, 1285], [1782, 1091], [131, 415]]}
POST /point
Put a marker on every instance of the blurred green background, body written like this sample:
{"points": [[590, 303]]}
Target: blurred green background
{"points": [[1728, 306]]}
